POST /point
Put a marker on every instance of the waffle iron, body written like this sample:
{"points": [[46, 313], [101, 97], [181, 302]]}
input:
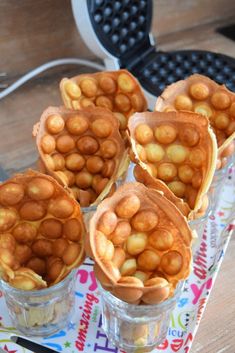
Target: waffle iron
{"points": [[119, 32]]}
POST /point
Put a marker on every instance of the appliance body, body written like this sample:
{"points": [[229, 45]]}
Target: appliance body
{"points": [[119, 32]]}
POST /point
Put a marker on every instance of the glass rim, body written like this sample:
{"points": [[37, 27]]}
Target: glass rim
{"points": [[37, 292], [206, 214], [229, 164], [88, 209], [126, 305]]}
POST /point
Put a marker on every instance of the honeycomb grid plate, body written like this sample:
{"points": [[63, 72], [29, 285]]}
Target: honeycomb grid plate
{"points": [[123, 29], [163, 68]]}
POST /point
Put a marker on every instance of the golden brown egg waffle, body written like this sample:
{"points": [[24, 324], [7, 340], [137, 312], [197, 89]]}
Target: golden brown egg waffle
{"points": [[117, 91], [142, 176], [179, 148], [82, 149], [200, 94], [41, 231], [140, 243]]}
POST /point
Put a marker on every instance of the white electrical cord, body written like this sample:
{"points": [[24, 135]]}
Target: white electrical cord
{"points": [[38, 70]]}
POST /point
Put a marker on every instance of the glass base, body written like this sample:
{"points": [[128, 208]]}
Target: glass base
{"points": [[41, 312], [138, 337], [136, 328], [43, 331]]}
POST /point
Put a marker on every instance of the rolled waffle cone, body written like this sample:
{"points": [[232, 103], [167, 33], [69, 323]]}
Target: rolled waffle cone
{"points": [[179, 148], [204, 96], [83, 150], [117, 91], [141, 245], [41, 231]]}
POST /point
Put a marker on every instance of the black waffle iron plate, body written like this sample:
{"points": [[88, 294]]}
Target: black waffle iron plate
{"points": [[123, 29]]}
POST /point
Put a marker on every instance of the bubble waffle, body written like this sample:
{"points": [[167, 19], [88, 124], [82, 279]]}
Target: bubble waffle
{"points": [[178, 148], [83, 150], [41, 231], [142, 176], [117, 91], [140, 243], [200, 94]]}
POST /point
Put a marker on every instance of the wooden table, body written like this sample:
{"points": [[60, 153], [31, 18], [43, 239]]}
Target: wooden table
{"points": [[22, 109]]}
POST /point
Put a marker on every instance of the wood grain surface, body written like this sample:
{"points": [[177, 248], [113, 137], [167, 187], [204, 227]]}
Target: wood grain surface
{"points": [[171, 16], [33, 32]]}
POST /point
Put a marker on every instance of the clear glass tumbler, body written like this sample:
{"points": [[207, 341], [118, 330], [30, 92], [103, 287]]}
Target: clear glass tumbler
{"points": [[217, 182], [87, 214], [41, 312], [199, 225], [136, 328]]}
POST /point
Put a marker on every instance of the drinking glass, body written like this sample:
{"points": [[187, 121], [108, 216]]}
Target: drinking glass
{"points": [[136, 328], [41, 312]]}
